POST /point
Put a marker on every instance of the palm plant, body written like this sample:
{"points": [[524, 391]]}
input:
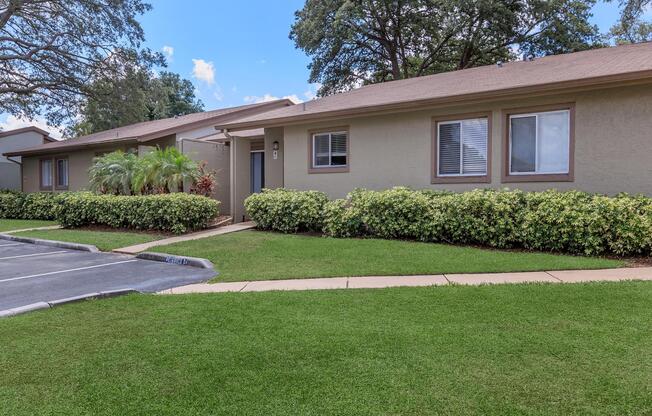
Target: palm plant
{"points": [[164, 170], [113, 173]]}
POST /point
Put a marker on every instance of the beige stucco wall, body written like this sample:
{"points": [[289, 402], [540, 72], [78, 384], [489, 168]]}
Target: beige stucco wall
{"points": [[217, 157], [79, 162], [613, 144], [10, 176], [273, 167]]}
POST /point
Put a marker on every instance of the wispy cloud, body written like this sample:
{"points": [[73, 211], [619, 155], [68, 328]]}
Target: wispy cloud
{"points": [[13, 122], [168, 51], [269, 97], [204, 71]]}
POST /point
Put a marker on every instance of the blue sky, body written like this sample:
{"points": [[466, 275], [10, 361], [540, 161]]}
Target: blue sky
{"points": [[239, 52]]}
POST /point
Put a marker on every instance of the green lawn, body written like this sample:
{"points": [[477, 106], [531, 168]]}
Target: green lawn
{"points": [[492, 350], [255, 255], [104, 240], [9, 225]]}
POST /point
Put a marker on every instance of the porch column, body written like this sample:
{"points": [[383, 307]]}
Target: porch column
{"points": [[240, 176]]}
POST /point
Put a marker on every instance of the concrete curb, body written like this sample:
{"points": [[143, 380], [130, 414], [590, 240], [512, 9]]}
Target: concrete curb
{"points": [[51, 243], [178, 260], [54, 303]]}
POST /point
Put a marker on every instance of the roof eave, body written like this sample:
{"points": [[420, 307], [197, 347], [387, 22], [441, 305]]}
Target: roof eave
{"points": [[540, 89], [67, 148]]}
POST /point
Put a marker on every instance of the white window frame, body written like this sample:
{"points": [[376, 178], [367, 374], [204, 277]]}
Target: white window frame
{"points": [[330, 151], [536, 143], [461, 174]]}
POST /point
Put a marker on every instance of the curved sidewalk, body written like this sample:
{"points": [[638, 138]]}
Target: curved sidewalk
{"points": [[376, 282]]}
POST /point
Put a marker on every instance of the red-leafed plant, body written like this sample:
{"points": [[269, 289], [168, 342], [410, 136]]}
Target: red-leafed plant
{"points": [[205, 183]]}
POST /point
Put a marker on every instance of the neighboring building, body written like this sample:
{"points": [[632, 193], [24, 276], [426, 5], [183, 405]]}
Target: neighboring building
{"points": [[13, 141], [575, 121], [64, 165]]}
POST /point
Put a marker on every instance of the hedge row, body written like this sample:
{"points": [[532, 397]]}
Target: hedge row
{"points": [[34, 206], [175, 213], [572, 222]]}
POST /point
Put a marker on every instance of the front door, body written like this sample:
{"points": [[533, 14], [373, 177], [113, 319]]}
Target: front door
{"points": [[257, 171]]}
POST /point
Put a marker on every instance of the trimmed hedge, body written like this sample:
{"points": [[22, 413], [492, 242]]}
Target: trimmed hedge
{"points": [[572, 222], [286, 210], [34, 206], [177, 212]]}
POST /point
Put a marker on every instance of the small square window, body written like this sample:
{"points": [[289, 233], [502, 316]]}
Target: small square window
{"points": [[329, 151]]}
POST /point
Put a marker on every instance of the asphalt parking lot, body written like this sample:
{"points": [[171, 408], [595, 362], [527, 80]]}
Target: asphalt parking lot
{"points": [[31, 274]]}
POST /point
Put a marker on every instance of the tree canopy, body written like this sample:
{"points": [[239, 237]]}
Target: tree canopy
{"points": [[356, 42], [137, 96], [50, 50]]}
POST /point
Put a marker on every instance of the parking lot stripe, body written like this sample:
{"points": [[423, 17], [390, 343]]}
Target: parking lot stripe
{"points": [[33, 255], [67, 271], [11, 245]]}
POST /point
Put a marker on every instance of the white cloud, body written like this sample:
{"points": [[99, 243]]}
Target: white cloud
{"points": [[311, 93], [13, 122], [168, 51], [204, 71], [269, 97], [217, 94], [257, 99], [262, 61]]}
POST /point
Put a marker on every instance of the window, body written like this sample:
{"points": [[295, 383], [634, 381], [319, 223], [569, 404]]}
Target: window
{"points": [[329, 151], [46, 174], [462, 150], [540, 144], [62, 173]]}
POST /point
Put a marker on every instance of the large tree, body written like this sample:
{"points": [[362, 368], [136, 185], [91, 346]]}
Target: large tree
{"points": [[50, 50], [138, 95], [356, 42], [632, 28]]}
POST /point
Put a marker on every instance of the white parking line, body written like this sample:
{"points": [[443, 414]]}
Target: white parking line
{"points": [[33, 255], [11, 245], [67, 271]]}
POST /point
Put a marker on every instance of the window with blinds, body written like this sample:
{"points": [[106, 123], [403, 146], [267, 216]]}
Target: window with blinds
{"points": [[462, 147], [330, 149]]}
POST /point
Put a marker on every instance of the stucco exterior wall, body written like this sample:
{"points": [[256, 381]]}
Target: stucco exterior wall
{"points": [[218, 159], [78, 164], [273, 167], [613, 144], [10, 171]]}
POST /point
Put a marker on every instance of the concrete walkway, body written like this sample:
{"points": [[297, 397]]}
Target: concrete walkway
{"points": [[187, 237], [49, 227], [375, 282]]}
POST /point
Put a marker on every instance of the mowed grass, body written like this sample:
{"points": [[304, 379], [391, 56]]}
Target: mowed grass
{"points": [[489, 350], [10, 225], [255, 255], [103, 240]]}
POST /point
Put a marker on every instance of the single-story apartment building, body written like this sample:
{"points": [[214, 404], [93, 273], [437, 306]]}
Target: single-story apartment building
{"points": [[63, 165], [574, 121], [13, 141]]}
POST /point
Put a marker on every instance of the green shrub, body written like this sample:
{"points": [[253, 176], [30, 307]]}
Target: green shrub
{"points": [[572, 222], [177, 212], [287, 210], [33, 206]]}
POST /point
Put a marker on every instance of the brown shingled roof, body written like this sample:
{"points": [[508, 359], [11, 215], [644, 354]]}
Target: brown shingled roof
{"points": [[149, 130], [551, 74]]}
